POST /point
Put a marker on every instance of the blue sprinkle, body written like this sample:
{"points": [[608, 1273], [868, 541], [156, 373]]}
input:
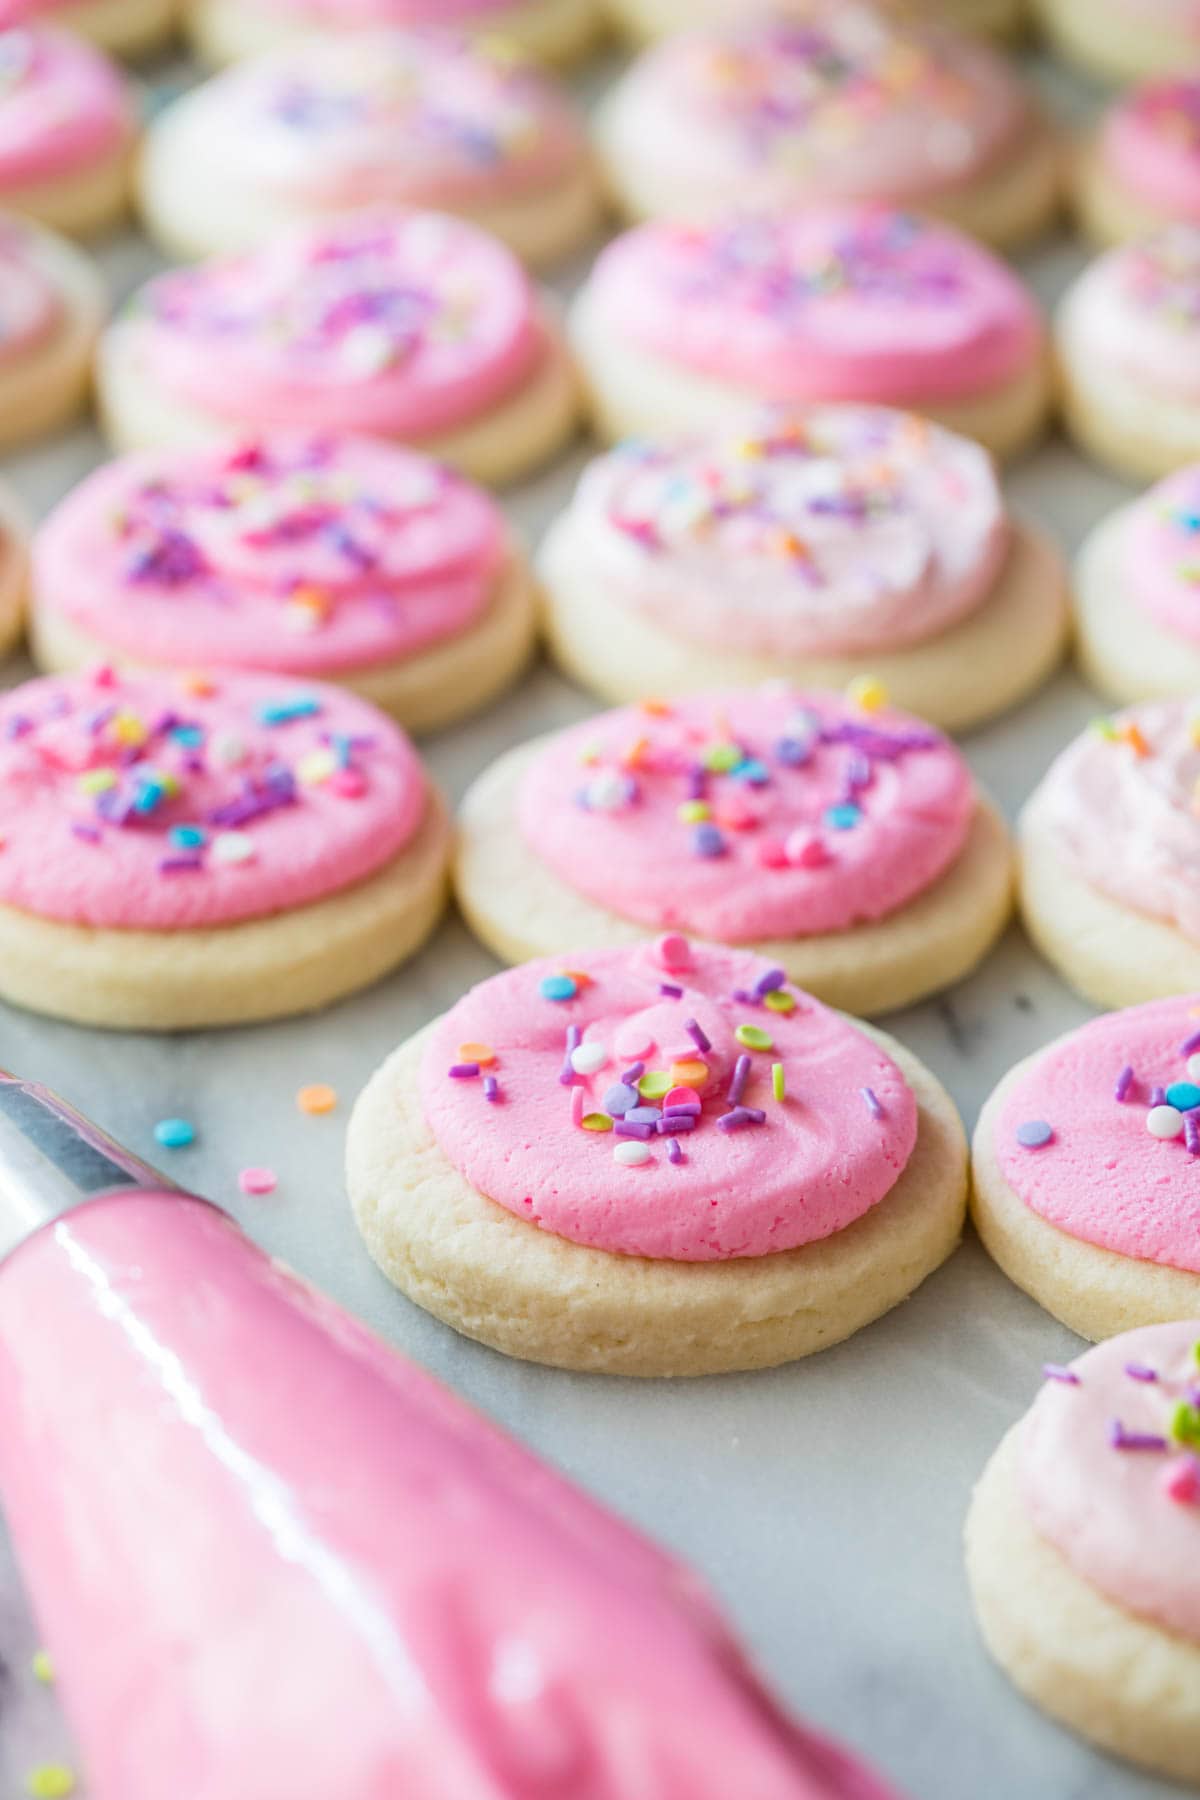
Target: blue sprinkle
{"points": [[174, 1134], [557, 987], [282, 712], [644, 1115], [752, 771], [188, 837], [1034, 1133], [844, 817], [620, 1099], [190, 736], [1184, 1095], [708, 841], [793, 752]]}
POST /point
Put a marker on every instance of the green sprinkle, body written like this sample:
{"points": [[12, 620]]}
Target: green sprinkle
{"points": [[753, 1037], [694, 812], [779, 1000], [720, 758], [778, 1081], [1185, 1424], [654, 1084], [50, 1781], [1104, 727], [596, 1122], [43, 1668]]}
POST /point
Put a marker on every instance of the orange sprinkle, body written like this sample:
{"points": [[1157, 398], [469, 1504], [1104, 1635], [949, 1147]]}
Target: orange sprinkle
{"points": [[483, 1054], [579, 977], [657, 709], [634, 754], [198, 685], [689, 1074], [316, 1098], [1131, 734]]}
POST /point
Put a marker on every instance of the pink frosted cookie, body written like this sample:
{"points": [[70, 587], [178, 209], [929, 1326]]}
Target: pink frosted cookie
{"points": [[551, 30], [1110, 854], [656, 1160], [1141, 170], [848, 844], [343, 558], [808, 545], [1124, 40], [1086, 1178], [67, 126], [408, 325], [1129, 348], [680, 325], [1083, 1548], [403, 117], [847, 102], [51, 307], [180, 851], [127, 27]]}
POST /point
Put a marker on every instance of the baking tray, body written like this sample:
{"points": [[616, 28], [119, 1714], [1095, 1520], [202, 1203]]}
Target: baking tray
{"points": [[824, 1501]]}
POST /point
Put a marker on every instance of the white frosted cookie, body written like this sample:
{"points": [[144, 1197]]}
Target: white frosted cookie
{"points": [[1110, 857], [1084, 1170], [52, 305], [125, 27], [345, 559], [1083, 1548], [807, 546], [397, 324], [401, 117], [207, 850], [681, 327], [847, 101], [14, 568], [67, 128], [1137, 595], [551, 30], [1123, 40], [612, 1165], [850, 847], [1140, 170]]}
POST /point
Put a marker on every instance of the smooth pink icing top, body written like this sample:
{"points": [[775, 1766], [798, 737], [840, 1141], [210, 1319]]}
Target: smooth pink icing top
{"points": [[1161, 553], [289, 553], [1103, 1176], [829, 303], [843, 530], [1121, 802], [164, 803], [398, 324], [1136, 311], [738, 1173], [1150, 142], [31, 307], [422, 118], [1109, 1474], [63, 106], [843, 103], [745, 815]]}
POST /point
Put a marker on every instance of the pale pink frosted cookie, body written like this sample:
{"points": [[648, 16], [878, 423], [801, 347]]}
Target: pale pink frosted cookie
{"points": [[845, 102], [850, 845], [343, 558], [402, 117], [127, 27], [204, 849], [672, 1135], [552, 30], [1141, 170], [679, 325], [1083, 1548], [1110, 851], [398, 324], [67, 126], [51, 308], [810, 545]]}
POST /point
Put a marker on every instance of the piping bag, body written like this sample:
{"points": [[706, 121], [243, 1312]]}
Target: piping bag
{"points": [[273, 1560]]}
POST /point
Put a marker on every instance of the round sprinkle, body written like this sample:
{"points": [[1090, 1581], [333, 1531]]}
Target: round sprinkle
{"points": [[681, 1099], [50, 1781], [778, 1081], [1164, 1121], [753, 1037], [708, 841], [779, 1001], [596, 1121], [483, 1054], [721, 758], [632, 1152], [694, 812], [557, 987], [844, 817], [1184, 1095], [1034, 1133], [257, 1181], [867, 693], [674, 952], [643, 1115], [691, 1073], [43, 1667], [1193, 1067], [587, 1058], [174, 1134], [654, 1084], [233, 847], [619, 1098]]}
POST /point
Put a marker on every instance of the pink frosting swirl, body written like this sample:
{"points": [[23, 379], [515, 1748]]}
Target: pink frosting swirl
{"points": [[793, 1171], [829, 303], [842, 530], [748, 815], [1103, 1176], [399, 324], [31, 307], [1109, 1475], [162, 804], [1150, 142], [296, 554], [1136, 310], [63, 106], [1161, 554]]}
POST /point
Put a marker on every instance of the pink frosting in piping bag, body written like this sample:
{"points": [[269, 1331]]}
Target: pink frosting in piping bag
{"points": [[63, 106]]}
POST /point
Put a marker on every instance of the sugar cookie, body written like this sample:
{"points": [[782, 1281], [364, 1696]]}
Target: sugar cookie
{"points": [[407, 118], [679, 326], [193, 851], [1128, 336], [1084, 1168], [845, 103], [341, 558], [1083, 1548], [51, 308], [625, 1163], [809, 546], [1123, 40], [14, 569], [67, 125], [1141, 169], [407, 325], [645, 20], [850, 847], [1110, 857], [552, 30], [126, 27]]}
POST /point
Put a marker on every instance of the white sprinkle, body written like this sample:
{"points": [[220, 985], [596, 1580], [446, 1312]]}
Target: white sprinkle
{"points": [[1164, 1121], [229, 749], [233, 847], [587, 1058], [631, 1152], [1193, 1067]]}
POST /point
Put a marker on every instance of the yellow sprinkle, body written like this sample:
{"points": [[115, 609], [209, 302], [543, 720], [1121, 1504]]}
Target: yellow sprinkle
{"points": [[694, 812], [316, 1098], [128, 729], [867, 693], [750, 448], [96, 780], [753, 1037], [316, 767], [780, 1001], [483, 1054], [50, 1781], [778, 1081], [42, 1666], [1194, 732], [596, 1122], [691, 1074]]}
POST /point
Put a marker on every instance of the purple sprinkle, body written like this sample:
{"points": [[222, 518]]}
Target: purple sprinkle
{"points": [[491, 1088], [644, 1115], [633, 1073], [1120, 1439], [770, 982], [619, 1098], [1124, 1082], [89, 833], [708, 841], [463, 1071], [1190, 1044], [1191, 1133], [633, 1129], [698, 1036], [1034, 1133], [567, 1075], [1158, 1096], [674, 1151], [681, 1110], [744, 997], [874, 1105], [1059, 1372], [669, 991], [180, 865], [1140, 1372], [741, 1115], [738, 1080], [676, 1122]]}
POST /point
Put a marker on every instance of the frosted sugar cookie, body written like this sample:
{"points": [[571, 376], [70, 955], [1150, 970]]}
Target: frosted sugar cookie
{"points": [[1110, 856], [343, 558], [849, 846], [405, 325], [1083, 1548], [553, 30], [846, 102], [51, 308], [647, 19], [1141, 170], [415, 118], [1123, 40], [627, 1161], [681, 325], [1129, 351], [186, 851], [14, 569], [1086, 1186], [126, 27], [807, 545], [67, 125]]}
